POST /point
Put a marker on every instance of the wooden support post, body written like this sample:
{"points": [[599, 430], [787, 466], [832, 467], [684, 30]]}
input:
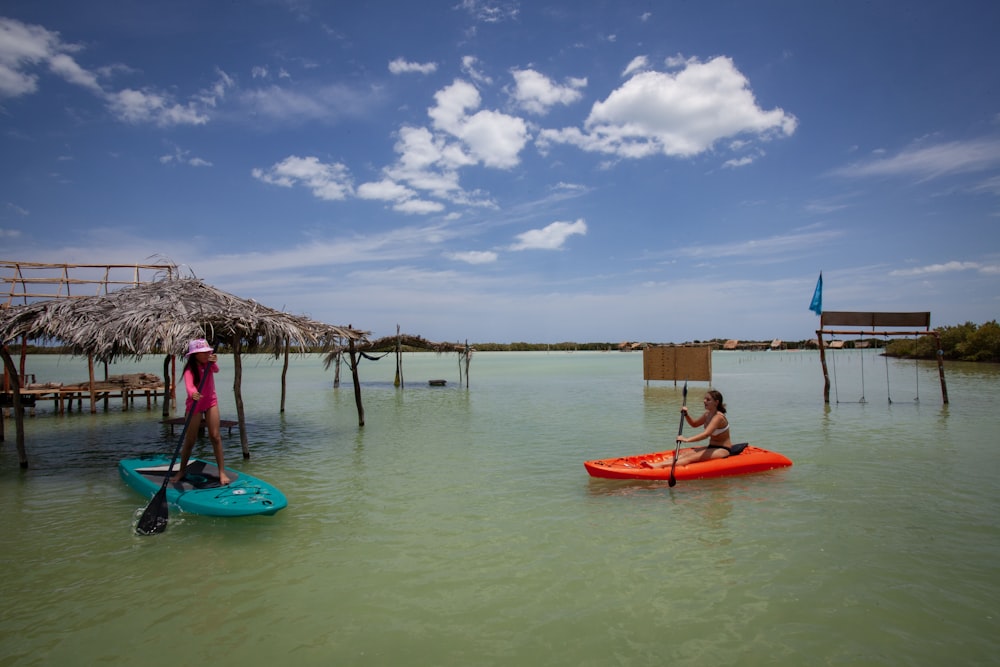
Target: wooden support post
{"points": [[357, 384], [238, 393], [939, 354], [826, 373], [166, 385], [15, 386], [284, 373], [92, 387], [468, 358], [399, 360]]}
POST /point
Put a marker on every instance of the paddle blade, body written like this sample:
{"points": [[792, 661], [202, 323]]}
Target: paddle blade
{"points": [[154, 518]]}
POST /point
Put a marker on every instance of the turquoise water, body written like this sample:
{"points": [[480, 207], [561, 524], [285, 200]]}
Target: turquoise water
{"points": [[459, 527]]}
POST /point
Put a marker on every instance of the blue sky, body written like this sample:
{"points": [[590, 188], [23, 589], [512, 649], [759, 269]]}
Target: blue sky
{"points": [[517, 171]]}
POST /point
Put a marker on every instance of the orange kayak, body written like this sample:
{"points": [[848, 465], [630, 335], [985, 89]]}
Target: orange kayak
{"points": [[751, 459]]}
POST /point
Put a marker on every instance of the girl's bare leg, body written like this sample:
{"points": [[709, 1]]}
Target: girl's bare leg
{"points": [[215, 435], [189, 438]]}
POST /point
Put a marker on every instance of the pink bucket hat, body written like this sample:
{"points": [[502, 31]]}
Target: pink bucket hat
{"points": [[198, 345]]}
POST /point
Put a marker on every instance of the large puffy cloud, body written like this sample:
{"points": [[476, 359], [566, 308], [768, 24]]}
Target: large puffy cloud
{"points": [[491, 137], [681, 114]]}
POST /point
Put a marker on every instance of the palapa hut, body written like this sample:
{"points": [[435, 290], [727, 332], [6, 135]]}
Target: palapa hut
{"points": [[160, 318], [365, 348]]}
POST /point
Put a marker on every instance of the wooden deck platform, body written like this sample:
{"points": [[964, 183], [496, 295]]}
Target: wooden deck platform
{"points": [[179, 421], [125, 388]]}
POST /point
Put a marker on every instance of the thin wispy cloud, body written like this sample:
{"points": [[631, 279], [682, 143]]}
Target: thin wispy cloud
{"points": [[788, 245], [947, 267], [925, 162]]}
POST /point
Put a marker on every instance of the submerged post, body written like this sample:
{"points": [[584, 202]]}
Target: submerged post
{"points": [[822, 361], [238, 393], [166, 386], [357, 383], [15, 388], [939, 354], [284, 372]]}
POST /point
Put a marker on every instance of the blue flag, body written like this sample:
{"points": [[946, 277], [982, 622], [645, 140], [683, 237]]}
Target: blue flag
{"points": [[817, 303]]}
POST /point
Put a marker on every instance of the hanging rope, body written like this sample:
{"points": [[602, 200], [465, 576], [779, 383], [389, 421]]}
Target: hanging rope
{"points": [[862, 374], [887, 393], [836, 390]]}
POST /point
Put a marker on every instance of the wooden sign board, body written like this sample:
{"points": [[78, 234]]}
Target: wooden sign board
{"points": [[663, 362]]}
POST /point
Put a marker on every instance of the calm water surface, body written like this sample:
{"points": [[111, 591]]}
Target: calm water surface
{"points": [[459, 527]]}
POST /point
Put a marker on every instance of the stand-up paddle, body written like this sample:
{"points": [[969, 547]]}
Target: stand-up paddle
{"points": [[680, 430], [154, 518]]}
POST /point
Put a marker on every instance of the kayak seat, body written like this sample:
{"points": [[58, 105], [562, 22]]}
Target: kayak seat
{"points": [[736, 449]]}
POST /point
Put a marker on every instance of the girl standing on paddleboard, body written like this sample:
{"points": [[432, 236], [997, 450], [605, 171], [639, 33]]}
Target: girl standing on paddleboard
{"points": [[201, 359]]}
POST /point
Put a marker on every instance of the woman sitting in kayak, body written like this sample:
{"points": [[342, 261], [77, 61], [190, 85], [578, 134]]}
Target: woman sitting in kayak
{"points": [[716, 425]]}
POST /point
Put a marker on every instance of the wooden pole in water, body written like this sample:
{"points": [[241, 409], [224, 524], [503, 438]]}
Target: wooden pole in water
{"points": [[357, 383], [826, 374], [241, 416], [399, 360], [93, 389], [284, 372], [166, 386], [468, 359], [15, 388], [939, 353]]}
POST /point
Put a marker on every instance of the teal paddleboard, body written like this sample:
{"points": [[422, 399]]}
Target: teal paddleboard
{"points": [[200, 491]]}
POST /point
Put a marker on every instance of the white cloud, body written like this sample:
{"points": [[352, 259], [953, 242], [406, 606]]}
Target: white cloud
{"points": [[787, 245], [490, 11], [638, 64], [494, 138], [678, 114], [491, 137], [947, 267], [135, 106], [68, 69], [474, 256], [17, 209], [182, 156], [927, 162], [738, 162], [551, 237], [536, 93], [326, 104], [326, 181], [470, 69], [418, 206], [22, 47], [386, 189], [401, 66]]}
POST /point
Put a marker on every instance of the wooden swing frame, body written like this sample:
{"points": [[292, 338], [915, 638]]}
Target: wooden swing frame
{"points": [[875, 320]]}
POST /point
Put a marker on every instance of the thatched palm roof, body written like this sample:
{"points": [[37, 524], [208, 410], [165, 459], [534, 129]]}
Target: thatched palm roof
{"points": [[389, 343], [161, 317]]}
